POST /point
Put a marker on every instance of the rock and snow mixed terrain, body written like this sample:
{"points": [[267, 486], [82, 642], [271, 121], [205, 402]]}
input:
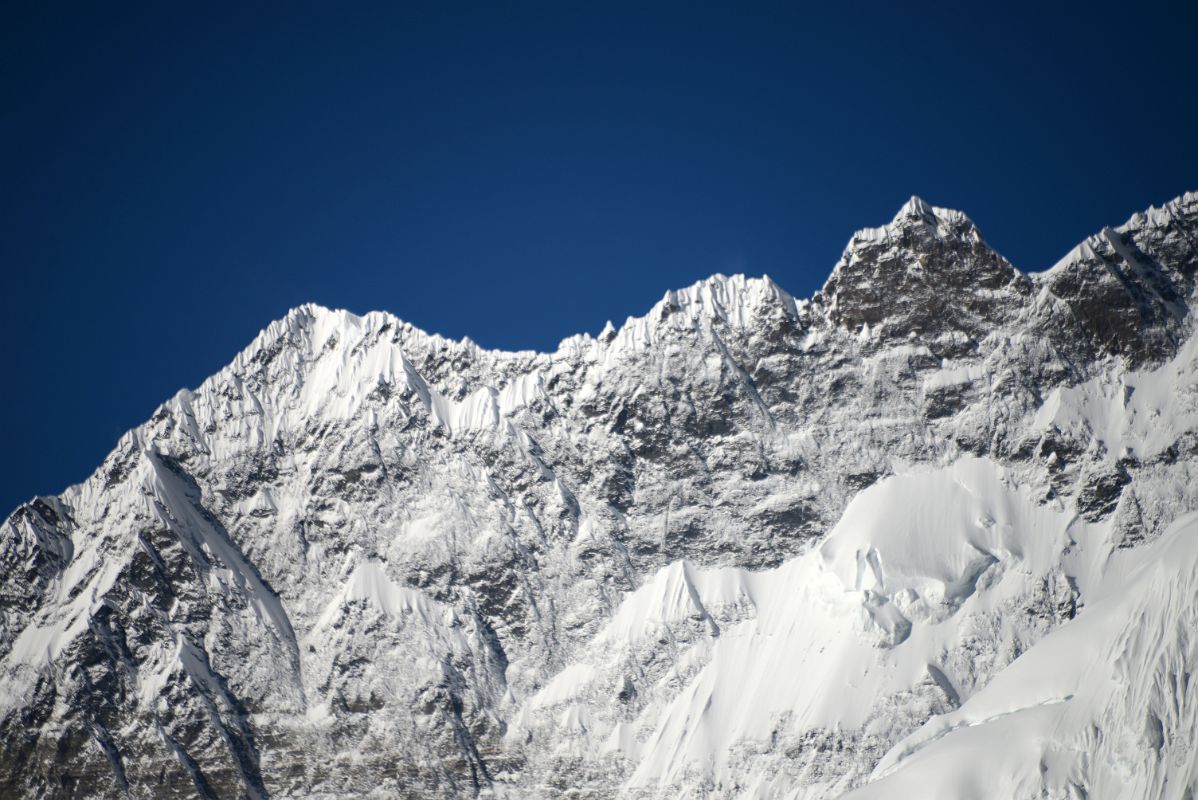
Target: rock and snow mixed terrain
{"points": [[926, 533]]}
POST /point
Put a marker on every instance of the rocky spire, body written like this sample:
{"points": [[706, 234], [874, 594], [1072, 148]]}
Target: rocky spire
{"points": [[928, 275]]}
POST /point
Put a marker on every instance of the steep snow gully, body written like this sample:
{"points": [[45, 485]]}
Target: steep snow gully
{"points": [[928, 533]]}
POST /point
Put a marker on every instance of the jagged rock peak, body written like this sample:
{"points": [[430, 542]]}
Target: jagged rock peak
{"points": [[926, 259], [926, 274], [917, 209], [919, 217], [1184, 206], [1129, 288], [732, 299]]}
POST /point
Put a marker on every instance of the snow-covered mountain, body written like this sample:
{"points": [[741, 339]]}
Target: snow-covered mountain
{"points": [[927, 533]]}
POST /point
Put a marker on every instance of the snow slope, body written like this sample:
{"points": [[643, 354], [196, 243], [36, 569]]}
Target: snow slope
{"points": [[1101, 708], [865, 635]]}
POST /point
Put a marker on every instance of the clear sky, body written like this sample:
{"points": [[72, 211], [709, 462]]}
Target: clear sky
{"points": [[173, 176]]}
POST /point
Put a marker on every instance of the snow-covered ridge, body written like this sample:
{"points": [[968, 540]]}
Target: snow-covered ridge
{"points": [[735, 300], [1167, 213], [730, 299], [940, 222], [337, 359], [1177, 211]]}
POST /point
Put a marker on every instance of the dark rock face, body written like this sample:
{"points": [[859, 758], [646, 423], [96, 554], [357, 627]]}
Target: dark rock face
{"points": [[36, 549], [342, 564], [929, 277], [1099, 493], [1128, 290]]}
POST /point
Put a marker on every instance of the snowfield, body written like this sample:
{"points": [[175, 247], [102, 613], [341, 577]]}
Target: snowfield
{"points": [[1101, 708]]}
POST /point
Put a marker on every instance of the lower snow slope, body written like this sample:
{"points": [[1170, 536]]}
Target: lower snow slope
{"points": [[1104, 708], [806, 674]]}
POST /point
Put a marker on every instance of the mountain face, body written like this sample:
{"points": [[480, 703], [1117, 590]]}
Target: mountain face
{"points": [[926, 533]]}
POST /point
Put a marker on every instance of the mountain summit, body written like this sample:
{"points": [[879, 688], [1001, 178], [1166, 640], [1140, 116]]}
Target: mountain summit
{"points": [[925, 532], [928, 274]]}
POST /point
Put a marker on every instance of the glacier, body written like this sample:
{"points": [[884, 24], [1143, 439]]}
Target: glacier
{"points": [[929, 532]]}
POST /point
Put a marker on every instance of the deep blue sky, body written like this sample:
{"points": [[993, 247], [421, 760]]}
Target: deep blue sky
{"points": [[175, 175]]}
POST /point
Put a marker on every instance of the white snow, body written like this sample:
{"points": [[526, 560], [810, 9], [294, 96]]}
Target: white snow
{"points": [[1131, 413], [820, 642], [1090, 708], [369, 584]]}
